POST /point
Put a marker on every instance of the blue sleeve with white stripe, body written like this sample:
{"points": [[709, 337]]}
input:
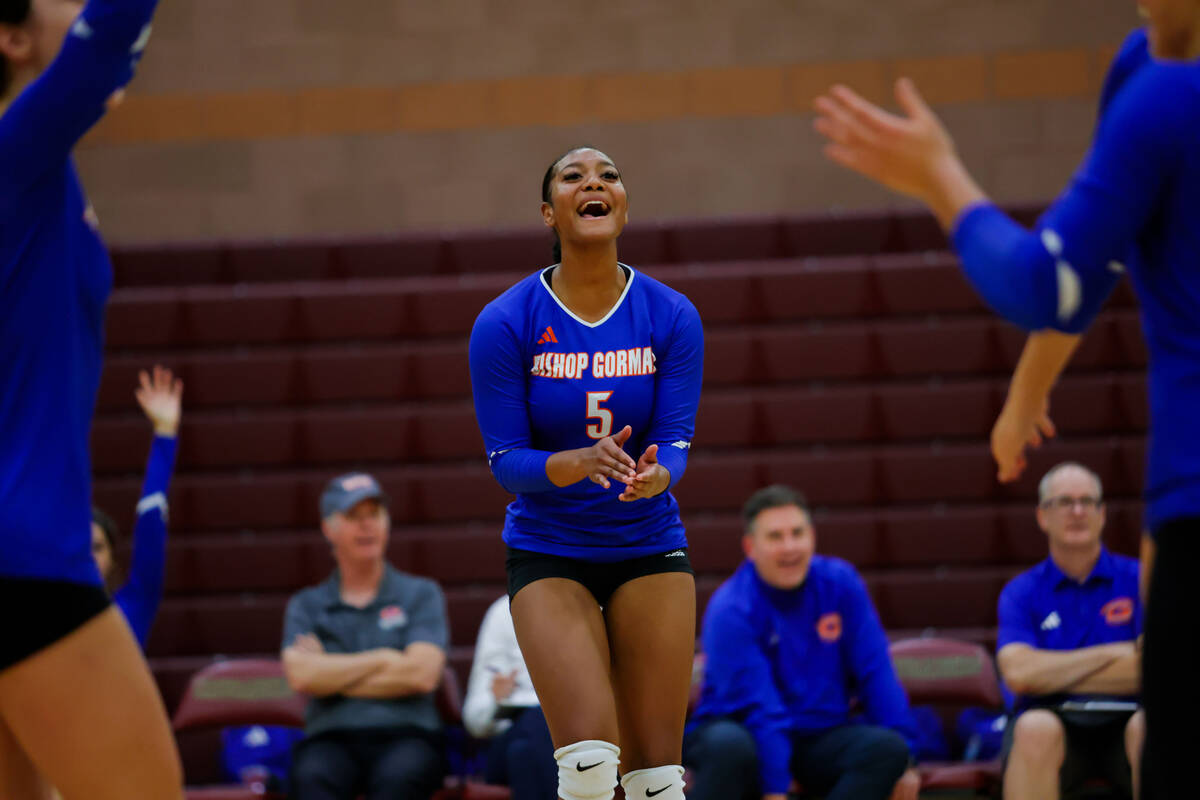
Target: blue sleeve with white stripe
{"points": [[501, 406], [677, 394], [1059, 275], [46, 120], [142, 594]]}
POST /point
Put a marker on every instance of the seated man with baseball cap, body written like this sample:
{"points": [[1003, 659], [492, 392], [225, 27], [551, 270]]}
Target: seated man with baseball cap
{"points": [[368, 645]]}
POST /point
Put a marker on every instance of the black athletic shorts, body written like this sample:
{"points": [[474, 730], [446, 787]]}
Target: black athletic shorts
{"points": [[1095, 751], [601, 579], [40, 612]]}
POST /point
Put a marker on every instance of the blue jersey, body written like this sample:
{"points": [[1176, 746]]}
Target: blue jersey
{"points": [[545, 381], [1135, 202], [141, 595], [55, 277], [784, 663], [1047, 610]]}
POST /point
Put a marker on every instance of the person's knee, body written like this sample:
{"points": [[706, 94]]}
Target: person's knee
{"points": [[587, 770], [1039, 739], [885, 753], [724, 745]]}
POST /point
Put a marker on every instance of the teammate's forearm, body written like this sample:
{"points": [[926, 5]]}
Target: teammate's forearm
{"points": [[1045, 356], [952, 190], [1030, 671]]}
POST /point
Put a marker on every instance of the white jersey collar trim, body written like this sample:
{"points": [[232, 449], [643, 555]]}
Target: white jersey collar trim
{"points": [[545, 281]]}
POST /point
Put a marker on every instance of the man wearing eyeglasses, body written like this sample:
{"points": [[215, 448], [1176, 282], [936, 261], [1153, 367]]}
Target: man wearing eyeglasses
{"points": [[1068, 649]]}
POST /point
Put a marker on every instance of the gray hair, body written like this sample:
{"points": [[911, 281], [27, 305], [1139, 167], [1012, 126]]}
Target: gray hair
{"points": [[1044, 485]]}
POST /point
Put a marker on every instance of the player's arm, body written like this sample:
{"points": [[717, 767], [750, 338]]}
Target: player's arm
{"points": [[1059, 275], [49, 116], [502, 411], [160, 396], [1024, 420], [680, 371]]}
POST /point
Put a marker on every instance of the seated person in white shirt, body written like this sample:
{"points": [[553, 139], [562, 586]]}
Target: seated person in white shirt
{"points": [[502, 706]]}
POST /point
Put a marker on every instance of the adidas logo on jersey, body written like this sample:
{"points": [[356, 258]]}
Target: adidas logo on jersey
{"points": [[548, 336], [1051, 622]]}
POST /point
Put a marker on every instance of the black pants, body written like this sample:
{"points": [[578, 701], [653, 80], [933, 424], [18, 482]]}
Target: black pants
{"points": [[379, 765], [850, 762], [522, 758], [1170, 691]]}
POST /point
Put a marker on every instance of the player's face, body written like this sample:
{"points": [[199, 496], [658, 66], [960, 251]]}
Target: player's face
{"points": [[359, 534], [1072, 515], [101, 551], [587, 204], [1173, 27], [781, 543]]}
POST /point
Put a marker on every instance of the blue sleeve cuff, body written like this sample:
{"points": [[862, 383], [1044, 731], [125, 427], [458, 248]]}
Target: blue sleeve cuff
{"points": [[522, 471], [673, 460]]}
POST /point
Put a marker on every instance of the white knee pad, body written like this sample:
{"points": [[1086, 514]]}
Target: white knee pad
{"points": [[587, 770], [656, 783]]}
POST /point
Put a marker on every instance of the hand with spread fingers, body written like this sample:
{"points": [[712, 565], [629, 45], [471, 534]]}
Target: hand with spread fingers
{"points": [[910, 153], [160, 394], [651, 478]]}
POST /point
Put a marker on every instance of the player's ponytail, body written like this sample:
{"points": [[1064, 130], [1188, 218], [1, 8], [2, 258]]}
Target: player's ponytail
{"points": [[12, 12]]}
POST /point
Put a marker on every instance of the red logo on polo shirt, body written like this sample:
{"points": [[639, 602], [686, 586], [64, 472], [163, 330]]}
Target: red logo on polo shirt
{"points": [[829, 627], [1118, 612], [391, 617]]}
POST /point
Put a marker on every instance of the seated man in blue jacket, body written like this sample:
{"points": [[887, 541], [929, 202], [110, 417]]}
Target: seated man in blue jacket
{"points": [[789, 640]]}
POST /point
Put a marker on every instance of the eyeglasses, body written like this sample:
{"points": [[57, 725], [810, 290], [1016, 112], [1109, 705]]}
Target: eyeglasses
{"points": [[1066, 502]]}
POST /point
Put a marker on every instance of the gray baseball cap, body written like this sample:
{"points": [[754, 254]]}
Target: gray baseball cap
{"points": [[344, 491]]}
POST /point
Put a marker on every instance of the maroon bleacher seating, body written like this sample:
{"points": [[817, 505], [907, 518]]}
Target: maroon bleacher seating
{"points": [[845, 354]]}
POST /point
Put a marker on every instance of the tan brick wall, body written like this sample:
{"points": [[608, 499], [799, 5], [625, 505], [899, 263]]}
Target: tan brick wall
{"points": [[284, 118]]}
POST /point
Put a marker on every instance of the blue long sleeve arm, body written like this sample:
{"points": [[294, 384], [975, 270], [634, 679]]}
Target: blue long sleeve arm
{"points": [[740, 681], [44, 122], [1059, 275], [677, 393], [875, 679], [142, 594], [502, 408]]}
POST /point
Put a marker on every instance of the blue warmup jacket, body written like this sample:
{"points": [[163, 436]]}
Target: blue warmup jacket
{"points": [[787, 663]]}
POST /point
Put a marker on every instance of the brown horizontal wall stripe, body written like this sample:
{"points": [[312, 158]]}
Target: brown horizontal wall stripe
{"points": [[578, 99]]}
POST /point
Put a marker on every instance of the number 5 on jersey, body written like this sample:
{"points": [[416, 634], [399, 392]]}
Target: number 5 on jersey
{"points": [[598, 430]]}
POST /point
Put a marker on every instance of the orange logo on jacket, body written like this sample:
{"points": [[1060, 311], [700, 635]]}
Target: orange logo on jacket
{"points": [[829, 627], [1118, 612]]}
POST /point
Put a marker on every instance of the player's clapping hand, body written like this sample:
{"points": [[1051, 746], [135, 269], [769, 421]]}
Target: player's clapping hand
{"points": [[605, 459], [904, 153], [652, 478], [161, 397], [1016, 429]]}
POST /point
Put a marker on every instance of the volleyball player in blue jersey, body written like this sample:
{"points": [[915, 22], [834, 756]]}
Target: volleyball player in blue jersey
{"points": [[586, 378], [77, 702], [1138, 191]]}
